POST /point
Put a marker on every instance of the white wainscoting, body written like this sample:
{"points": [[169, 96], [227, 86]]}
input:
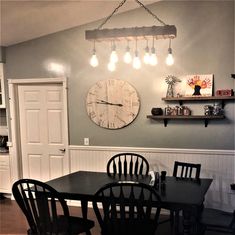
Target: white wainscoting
{"points": [[216, 164]]}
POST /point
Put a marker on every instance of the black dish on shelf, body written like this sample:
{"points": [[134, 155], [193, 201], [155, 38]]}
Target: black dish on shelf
{"points": [[156, 111]]}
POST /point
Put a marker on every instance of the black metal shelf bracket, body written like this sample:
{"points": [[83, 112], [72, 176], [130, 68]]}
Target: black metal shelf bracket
{"points": [[165, 122]]}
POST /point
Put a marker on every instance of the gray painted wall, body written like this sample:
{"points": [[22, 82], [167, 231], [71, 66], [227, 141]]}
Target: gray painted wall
{"points": [[204, 45]]}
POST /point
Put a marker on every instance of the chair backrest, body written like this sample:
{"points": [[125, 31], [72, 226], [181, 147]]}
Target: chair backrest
{"points": [[40, 204], [127, 208], [186, 170], [127, 163]]}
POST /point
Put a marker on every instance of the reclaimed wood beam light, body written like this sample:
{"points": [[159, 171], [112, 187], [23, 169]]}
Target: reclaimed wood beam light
{"points": [[150, 33], [140, 33]]}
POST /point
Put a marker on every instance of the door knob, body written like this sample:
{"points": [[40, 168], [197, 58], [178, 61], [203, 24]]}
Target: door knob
{"points": [[62, 150]]}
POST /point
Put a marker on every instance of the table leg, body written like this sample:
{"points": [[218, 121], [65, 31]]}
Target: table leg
{"points": [[186, 222], [84, 205], [84, 208]]}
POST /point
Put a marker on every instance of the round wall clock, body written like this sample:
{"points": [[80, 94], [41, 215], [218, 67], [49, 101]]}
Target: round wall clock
{"points": [[112, 103]]}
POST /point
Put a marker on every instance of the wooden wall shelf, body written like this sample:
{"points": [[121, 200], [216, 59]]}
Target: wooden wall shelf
{"points": [[199, 98], [191, 117]]}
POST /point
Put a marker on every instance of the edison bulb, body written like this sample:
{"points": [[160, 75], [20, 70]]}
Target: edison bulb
{"points": [[170, 59], [114, 57], [147, 58], [127, 57], [94, 61], [153, 60], [111, 66], [136, 62]]}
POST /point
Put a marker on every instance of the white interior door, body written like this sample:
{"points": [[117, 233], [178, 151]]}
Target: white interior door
{"points": [[42, 131]]}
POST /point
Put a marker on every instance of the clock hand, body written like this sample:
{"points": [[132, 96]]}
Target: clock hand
{"points": [[99, 102], [105, 102]]}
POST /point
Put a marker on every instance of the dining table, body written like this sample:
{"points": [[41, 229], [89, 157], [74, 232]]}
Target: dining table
{"points": [[184, 194]]}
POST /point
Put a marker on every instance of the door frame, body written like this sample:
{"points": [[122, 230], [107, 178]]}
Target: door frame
{"points": [[14, 128]]}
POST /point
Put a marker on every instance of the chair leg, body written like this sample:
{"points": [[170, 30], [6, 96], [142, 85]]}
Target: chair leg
{"points": [[176, 222], [88, 232], [172, 219], [30, 232]]}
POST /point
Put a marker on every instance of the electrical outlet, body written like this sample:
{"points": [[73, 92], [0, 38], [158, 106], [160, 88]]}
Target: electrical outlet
{"points": [[86, 141]]}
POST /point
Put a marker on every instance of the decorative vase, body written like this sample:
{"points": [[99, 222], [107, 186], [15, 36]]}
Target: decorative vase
{"points": [[197, 90]]}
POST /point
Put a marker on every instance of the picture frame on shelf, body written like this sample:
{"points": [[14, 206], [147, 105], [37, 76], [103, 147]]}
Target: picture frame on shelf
{"points": [[199, 85]]}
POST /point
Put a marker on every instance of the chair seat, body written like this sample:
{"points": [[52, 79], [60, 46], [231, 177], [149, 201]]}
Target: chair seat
{"points": [[78, 225], [213, 217]]}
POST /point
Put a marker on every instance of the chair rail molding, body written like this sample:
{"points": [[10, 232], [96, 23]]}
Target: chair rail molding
{"points": [[216, 164]]}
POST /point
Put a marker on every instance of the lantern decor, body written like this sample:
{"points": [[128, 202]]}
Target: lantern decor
{"points": [[171, 80]]}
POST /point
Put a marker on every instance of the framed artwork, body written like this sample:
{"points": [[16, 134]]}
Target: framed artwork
{"points": [[199, 85]]}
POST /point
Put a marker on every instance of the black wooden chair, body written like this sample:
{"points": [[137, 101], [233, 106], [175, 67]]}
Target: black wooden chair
{"points": [[46, 211], [218, 221], [127, 163], [182, 171], [127, 208], [186, 170]]}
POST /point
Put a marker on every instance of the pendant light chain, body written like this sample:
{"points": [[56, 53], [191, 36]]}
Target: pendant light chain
{"points": [[121, 4], [150, 12], [109, 17]]}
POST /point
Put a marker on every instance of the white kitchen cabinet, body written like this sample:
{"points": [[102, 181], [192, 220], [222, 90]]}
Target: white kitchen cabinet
{"points": [[5, 173], [2, 88]]}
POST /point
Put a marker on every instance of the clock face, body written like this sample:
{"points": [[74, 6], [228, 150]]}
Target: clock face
{"points": [[112, 103]]}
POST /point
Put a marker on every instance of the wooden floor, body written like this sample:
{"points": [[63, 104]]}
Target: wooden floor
{"points": [[13, 222]]}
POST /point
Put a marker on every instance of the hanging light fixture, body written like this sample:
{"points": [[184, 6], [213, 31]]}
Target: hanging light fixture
{"points": [[164, 31], [94, 60], [169, 58], [136, 61], [147, 54], [113, 59], [113, 56], [111, 66], [127, 57], [153, 57]]}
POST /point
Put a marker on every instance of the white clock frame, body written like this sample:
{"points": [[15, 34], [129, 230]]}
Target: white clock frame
{"points": [[112, 103]]}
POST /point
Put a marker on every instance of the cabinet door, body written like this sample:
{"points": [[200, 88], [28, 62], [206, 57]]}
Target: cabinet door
{"points": [[5, 176], [2, 88]]}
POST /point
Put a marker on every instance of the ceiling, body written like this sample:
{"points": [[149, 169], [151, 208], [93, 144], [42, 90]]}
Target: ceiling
{"points": [[23, 20]]}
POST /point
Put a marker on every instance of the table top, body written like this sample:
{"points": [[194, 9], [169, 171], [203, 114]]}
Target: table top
{"points": [[82, 185]]}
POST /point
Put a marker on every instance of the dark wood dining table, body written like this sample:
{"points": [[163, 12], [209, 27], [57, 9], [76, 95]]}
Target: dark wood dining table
{"points": [[187, 195]]}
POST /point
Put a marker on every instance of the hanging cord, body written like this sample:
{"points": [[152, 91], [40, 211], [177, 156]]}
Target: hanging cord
{"points": [[121, 4], [150, 12], [109, 17]]}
